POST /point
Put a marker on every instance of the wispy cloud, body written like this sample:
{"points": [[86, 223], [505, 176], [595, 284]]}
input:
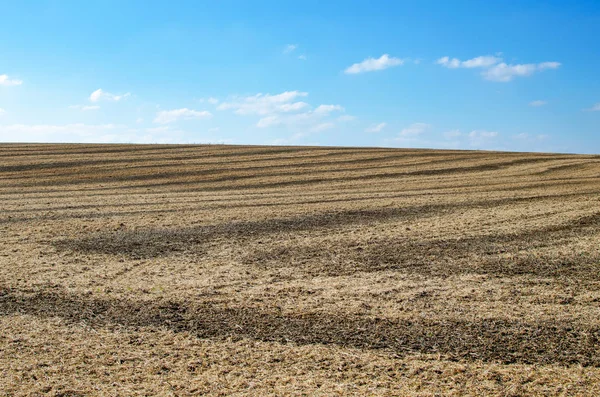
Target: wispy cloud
{"points": [[99, 94], [346, 118], [326, 109], [170, 116], [537, 103], [6, 81], [374, 64], [268, 121], [483, 134], [415, 129], [84, 107], [293, 107], [322, 127], [2, 112], [594, 108], [479, 139], [476, 139], [312, 120], [548, 65], [452, 134], [478, 62], [495, 68], [284, 110], [290, 48], [528, 137], [376, 127], [264, 104], [54, 133], [412, 136], [211, 100], [503, 72], [87, 133]]}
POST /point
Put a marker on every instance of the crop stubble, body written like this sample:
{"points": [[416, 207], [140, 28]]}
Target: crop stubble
{"points": [[296, 270]]}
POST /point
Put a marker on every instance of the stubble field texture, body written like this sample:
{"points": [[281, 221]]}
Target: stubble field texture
{"points": [[142, 270]]}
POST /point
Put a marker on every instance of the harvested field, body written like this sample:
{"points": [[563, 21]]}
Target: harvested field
{"points": [[231, 270]]}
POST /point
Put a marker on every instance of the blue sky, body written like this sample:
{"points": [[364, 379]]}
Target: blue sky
{"points": [[522, 75]]}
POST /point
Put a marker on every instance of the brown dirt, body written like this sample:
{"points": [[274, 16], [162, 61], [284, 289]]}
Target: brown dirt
{"points": [[230, 270]]}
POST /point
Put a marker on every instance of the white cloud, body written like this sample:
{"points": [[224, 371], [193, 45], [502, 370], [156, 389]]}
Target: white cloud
{"points": [[421, 135], [293, 107], [503, 72], [322, 127], [528, 137], [213, 101], [99, 94], [96, 95], [538, 103], [481, 139], [326, 109], [57, 133], [452, 134], [376, 128], [411, 136], [262, 104], [99, 133], [449, 63], [478, 62], [2, 111], [483, 134], [415, 129], [311, 119], [346, 118], [169, 116], [475, 139], [290, 48], [372, 64], [594, 108], [84, 107], [293, 139], [285, 110], [164, 128], [548, 65], [495, 69], [268, 122], [6, 81]]}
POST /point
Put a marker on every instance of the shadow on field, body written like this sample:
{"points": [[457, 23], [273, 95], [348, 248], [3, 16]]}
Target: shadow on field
{"points": [[160, 242], [147, 243], [502, 255], [490, 340]]}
